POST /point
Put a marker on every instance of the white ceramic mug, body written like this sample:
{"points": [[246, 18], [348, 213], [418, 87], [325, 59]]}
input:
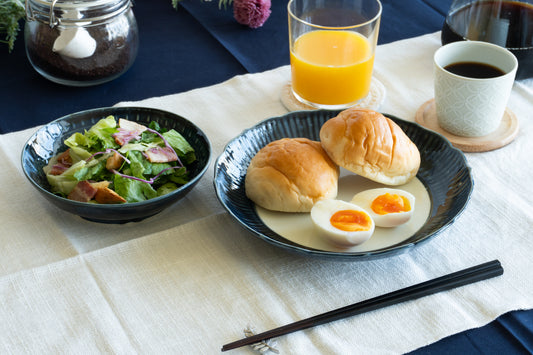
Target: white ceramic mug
{"points": [[472, 107]]}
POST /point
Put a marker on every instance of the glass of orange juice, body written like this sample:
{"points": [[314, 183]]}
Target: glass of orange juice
{"points": [[332, 48]]}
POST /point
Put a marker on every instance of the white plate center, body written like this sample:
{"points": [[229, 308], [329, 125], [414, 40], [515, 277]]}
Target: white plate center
{"points": [[298, 227]]}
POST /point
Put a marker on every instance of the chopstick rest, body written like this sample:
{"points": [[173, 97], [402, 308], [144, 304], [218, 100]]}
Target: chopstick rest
{"points": [[460, 278]]}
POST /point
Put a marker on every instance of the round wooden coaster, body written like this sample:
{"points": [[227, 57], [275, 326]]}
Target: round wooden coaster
{"points": [[505, 134], [373, 100]]}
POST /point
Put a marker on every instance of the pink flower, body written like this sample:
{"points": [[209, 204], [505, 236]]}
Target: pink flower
{"points": [[252, 13]]}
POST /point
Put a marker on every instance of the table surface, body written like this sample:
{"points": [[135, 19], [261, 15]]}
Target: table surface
{"points": [[199, 45]]}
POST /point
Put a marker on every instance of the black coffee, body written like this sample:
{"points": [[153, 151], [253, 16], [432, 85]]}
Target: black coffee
{"points": [[474, 70]]}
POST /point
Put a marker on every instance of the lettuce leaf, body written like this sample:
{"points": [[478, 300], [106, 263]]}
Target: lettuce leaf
{"points": [[141, 147], [79, 153], [166, 188], [133, 190], [64, 183], [94, 170], [180, 176], [181, 146], [142, 168], [97, 138], [138, 164]]}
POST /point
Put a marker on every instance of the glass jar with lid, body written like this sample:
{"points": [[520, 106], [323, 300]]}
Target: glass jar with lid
{"points": [[80, 42]]}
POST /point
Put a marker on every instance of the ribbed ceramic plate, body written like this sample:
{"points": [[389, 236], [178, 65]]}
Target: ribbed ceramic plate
{"points": [[443, 171]]}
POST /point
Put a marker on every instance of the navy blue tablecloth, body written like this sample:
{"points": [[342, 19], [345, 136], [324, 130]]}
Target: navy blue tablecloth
{"points": [[197, 45], [200, 45]]}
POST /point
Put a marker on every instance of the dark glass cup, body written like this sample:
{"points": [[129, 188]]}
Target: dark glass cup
{"points": [[506, 23]]}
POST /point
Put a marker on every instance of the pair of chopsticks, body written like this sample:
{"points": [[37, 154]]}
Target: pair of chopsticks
{"points": [[460, 278]]}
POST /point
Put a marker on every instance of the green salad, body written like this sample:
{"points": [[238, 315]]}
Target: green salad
{"points": [[120, 162]]}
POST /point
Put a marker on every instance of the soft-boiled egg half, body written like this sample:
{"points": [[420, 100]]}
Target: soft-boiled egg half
{"points": [[387, 207], [344, 223]]}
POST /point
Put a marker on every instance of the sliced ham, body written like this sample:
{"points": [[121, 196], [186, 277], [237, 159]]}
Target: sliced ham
{"points": [[160, 155], [83, 192], [127, 131]]}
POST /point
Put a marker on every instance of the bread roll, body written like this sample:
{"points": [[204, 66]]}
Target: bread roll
{"points": [[290, 175], [371, 145]]}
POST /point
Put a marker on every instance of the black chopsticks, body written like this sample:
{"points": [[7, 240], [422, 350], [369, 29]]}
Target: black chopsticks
{"points": [[460, 278]]}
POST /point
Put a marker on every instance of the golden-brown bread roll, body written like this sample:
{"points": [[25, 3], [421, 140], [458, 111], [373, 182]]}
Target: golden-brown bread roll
{"points": [[371, 145], [290, 175]]}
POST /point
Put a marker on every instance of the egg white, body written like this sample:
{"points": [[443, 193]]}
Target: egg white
{"points": [[365, 198], [321, 214]]}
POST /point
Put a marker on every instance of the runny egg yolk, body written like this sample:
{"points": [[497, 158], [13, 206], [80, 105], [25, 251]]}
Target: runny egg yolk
{"points": [[351, 220], [390, 203]]}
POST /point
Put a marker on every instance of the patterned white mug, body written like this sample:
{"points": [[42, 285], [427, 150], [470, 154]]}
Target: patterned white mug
{"points": [[472, 107]]}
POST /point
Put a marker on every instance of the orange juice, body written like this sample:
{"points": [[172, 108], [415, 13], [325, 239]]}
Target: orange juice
{"points": [[331, 67]]}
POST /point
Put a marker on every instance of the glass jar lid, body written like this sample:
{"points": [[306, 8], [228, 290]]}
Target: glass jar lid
{"points": [[74, 12]]}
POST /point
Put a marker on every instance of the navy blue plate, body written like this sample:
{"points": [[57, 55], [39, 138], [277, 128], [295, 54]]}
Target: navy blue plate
{"points": [[443, 171], [48, 141]]}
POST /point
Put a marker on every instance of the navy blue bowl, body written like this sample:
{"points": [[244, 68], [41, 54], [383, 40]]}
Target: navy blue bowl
{"points": [[443, 171], [48, 141]]}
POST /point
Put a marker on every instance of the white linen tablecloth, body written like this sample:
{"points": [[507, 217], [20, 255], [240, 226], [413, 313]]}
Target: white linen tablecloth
{"points": [[191, 279]]}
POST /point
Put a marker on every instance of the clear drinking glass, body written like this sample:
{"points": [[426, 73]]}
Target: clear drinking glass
{"points": [[332, 48], [508, 24]]}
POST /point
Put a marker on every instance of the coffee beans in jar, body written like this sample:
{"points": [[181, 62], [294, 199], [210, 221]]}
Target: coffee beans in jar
{"points": [[80, 42]]}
